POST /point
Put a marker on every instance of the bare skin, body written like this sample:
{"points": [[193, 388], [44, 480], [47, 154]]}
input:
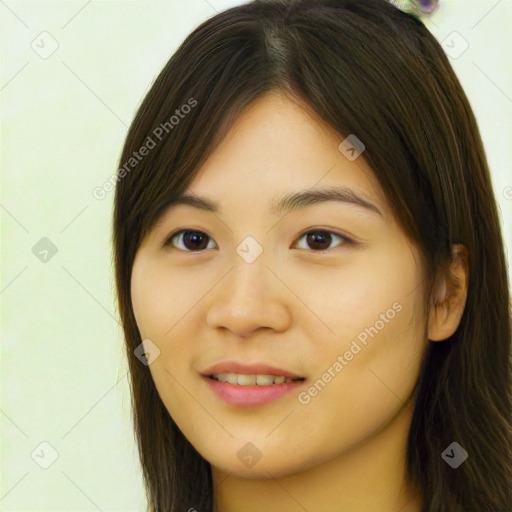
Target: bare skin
{"points": [[341, 448]]}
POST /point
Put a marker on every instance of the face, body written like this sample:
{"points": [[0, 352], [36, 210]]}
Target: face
{"points": [[328, 291]]}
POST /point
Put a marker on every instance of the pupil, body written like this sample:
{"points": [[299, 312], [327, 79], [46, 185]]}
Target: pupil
{"points": [[195, 237], [316, 237]]}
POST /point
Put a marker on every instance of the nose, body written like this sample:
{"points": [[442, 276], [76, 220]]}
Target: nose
{"points": [[250, 297]]}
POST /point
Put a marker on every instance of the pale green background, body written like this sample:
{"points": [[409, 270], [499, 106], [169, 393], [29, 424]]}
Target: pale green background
{"points": [[64, 118]]}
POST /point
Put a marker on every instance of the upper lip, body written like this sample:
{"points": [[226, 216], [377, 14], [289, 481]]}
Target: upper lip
{"points": [[251, 369]]}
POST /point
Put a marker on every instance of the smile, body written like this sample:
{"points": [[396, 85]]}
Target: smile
{"points": [[244, 379], [249, 390]]}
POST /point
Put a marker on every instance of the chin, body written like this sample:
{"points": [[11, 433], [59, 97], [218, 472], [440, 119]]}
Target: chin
{"points": [[275, 466]]}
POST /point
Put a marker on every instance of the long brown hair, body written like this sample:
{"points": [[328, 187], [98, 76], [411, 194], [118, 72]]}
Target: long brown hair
{"points": [[370, 69]]}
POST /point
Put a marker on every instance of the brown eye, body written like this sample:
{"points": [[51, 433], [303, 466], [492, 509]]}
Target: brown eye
{"points": [[190, 240], [321, 239]]}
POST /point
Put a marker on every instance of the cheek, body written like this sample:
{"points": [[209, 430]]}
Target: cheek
{"points": [[377, 294], [352, 399], [158, 298], [369, 364], [163, 309]]}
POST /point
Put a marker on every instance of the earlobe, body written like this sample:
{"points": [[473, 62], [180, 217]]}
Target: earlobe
{"points": [[449, 297]]}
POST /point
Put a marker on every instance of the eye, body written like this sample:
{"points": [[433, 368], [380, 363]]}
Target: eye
{"points": [[195, 241], [319, 238], [192, 239]]}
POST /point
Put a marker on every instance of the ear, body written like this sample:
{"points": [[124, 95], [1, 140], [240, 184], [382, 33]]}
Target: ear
{"points": [[449, 297]]}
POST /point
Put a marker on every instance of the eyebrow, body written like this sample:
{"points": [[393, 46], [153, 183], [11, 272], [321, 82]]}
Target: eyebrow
{"points": [[290, 202]]}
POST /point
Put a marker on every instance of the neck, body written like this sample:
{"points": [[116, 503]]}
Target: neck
{"points": [[371, 476]]}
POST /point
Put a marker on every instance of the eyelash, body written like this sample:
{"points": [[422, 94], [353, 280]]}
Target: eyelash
{"points": [[344, 238]]}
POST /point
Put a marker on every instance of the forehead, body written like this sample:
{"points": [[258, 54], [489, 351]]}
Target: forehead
{"points": [[276, 147]]}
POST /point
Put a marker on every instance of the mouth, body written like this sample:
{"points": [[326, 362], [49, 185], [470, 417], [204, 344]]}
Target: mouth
{"points": [[251, 379], [250, 385]]}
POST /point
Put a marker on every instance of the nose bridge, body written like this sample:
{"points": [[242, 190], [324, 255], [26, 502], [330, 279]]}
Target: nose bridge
{"points": [[250, 250], [250, 275]]}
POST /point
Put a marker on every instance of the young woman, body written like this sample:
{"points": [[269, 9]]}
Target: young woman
{"points": [[310, 271]]}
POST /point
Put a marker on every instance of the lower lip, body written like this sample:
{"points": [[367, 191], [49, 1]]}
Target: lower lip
{"points": [[249, 396]]}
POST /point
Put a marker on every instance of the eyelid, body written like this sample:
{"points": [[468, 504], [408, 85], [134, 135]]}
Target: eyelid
{"points": [[346, 239]]}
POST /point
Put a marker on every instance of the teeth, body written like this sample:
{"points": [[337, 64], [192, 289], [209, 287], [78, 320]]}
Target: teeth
{"points": [[244, 379], [264, 380], [232, 378]]}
